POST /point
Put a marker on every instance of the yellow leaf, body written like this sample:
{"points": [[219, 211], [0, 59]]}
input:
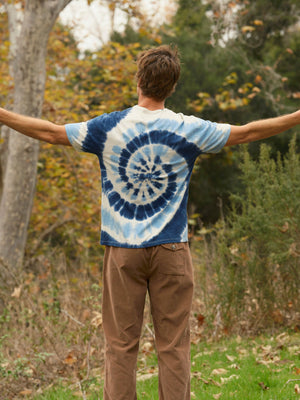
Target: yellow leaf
{"points": [[258, 79], [248, 28], [258, 22]]}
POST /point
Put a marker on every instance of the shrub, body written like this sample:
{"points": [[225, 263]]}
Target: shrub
{"points": [[254, 255]]}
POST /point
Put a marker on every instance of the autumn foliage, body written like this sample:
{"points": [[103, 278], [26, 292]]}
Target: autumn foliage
{"points": [[66, 210]]}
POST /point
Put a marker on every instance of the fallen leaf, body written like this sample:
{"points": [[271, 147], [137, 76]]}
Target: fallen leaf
{"points": [[230, 378], [297, 388], [243, 352], [17, 292], [203, 353], [97, 320], [217, 396], [230, 358], [145, 377], [263, 386], [147, 347], [234, 366], [70, 359], [205, 381], [266, 349], [219, 371], [264, 362], [294, 349], [26, 392], [283, 337], [200, 319]]}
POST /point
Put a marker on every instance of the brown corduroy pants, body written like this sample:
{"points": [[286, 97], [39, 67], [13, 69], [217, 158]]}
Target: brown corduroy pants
{"points": [[166, 272]]}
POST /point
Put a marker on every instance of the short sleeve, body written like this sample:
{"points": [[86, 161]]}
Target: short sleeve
{"points": [[91, 136], [76, 134], [209, 136]]}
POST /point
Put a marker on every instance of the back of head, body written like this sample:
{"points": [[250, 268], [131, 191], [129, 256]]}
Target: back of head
{"points": [[158, 72]]}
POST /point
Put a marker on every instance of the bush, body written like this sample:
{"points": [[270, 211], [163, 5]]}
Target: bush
{"points": [[254, 255]]}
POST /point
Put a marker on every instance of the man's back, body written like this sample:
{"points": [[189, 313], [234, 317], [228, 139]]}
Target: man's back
{"points": [[146, 159]]}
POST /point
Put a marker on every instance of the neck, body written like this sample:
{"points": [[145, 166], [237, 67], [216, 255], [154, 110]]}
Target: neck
{"points": [[150, 103]]}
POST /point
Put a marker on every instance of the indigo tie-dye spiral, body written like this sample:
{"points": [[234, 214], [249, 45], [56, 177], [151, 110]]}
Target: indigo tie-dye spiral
{"points": [[146, 159]]}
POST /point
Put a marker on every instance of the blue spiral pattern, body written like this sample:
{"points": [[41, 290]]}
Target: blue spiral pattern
{"points": [[146, 174], [146, 161]]}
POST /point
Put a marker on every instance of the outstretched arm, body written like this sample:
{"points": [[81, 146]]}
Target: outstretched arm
{"points": [[35, 128], [262, 129]]}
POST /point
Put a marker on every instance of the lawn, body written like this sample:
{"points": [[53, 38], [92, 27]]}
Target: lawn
{"points": [[243, 369]]}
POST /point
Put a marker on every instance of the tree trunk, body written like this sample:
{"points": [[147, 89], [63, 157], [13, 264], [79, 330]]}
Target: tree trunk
{"points": [[19, 171]]}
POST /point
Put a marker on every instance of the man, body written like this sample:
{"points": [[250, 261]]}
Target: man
{"points": [[146, 156]]}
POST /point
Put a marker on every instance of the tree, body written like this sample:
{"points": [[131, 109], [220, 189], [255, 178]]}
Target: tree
{"points": [[68, 188], [27, 65], [239, 63]]}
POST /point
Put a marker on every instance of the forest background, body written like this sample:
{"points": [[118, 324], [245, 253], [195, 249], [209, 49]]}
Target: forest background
{"points": [[240, 62]]}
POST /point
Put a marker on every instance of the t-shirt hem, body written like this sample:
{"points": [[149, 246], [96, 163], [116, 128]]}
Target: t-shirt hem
{"points": [[143, 245]]}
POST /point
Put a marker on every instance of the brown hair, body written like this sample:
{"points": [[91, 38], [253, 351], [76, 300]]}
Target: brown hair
{"points": [[158, 72]]}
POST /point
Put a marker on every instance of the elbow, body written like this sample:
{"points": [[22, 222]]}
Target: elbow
{"points": [[239, 135], [56, 134]]}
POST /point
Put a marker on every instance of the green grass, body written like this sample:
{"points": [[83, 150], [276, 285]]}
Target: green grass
{"points": [[247, 370], [253, 369]]}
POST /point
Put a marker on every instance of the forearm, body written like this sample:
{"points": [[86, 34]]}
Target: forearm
{"points": [[33, 127], [262, 129], [269, 127]]}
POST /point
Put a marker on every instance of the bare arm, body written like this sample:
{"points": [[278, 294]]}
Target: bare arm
{"points": [[35, 128], [262, 129]]}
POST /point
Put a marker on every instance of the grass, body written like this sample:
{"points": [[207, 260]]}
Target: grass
{"points": [[52, 345], [248, 370], [265, 368]]}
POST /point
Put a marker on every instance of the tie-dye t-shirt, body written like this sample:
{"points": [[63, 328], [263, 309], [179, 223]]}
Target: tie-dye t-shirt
{"points": [[146, 160]]}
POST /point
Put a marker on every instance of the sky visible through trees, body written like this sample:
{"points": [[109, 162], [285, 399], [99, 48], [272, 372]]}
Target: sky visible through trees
{"points": [[93, 24]]}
